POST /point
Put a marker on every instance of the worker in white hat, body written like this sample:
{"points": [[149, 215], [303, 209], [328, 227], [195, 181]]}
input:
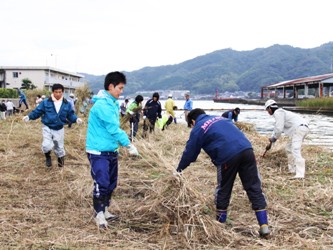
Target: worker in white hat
{"points": [[170, 106], [296, 128]]}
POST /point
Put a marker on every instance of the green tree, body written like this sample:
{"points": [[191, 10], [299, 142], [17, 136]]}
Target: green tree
{"points": [[8, 93], [27, 84]]}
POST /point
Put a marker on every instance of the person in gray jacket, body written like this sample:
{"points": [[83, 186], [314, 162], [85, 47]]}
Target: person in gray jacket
{"points": [[55, 111], [296, 128]]}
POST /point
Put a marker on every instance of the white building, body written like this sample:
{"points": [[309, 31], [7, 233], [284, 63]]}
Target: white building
{"points": [[41, 77]]}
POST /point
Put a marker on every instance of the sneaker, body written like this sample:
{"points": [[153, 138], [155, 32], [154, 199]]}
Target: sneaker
{"points": [[110, 217], [264, 231], [100, 220]]}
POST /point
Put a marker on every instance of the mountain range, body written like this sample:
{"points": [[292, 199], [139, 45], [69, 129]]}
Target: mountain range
{"points": [[228, 70]]}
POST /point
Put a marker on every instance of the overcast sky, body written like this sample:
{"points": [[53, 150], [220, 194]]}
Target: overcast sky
{"points": [[99, 36]]}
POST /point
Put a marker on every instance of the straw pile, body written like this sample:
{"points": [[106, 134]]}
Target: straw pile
{"points": [[52, 209]]}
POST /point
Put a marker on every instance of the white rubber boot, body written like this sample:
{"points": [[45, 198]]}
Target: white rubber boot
{"points": [[291, 165], [100, 220], [300, 168]]}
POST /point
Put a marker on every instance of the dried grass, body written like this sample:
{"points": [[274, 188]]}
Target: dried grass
{"points": [[52, 209]]}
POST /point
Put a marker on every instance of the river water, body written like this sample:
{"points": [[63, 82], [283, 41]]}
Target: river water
{"points": [[321, 126]]}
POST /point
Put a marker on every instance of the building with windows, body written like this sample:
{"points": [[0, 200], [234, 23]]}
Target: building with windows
{"points": [[312, 86], [41, 77]]}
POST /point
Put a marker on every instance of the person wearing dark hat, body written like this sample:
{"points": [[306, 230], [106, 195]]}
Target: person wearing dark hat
{"points": [[231, 152], [152, 110], [170, 106], [134, 110], [232, 114]]}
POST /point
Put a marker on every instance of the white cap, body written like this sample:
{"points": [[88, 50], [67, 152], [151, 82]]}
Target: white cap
{"points": [[269, 103]]}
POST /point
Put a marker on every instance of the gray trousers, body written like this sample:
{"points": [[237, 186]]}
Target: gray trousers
{"points": [[53, 139]]}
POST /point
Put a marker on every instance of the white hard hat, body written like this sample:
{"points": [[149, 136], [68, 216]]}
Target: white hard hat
{"points": [[170, 95], [71, 95], [269, 103], [43, 96]]}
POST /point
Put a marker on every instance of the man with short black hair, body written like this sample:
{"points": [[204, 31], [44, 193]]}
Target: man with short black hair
{"points": [[231, 152], [134, 110], [104, 136], [55, 111]]}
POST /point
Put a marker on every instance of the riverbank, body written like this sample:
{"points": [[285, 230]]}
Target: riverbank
{"points": [[45, 209], [306, 110], [282, 102], [306, 106]]}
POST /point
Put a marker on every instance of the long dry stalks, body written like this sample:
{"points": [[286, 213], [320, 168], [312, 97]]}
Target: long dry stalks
{"points": [[52, 208]]}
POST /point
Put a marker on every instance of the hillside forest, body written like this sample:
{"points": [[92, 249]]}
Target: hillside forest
{"points": [[228, 70]]}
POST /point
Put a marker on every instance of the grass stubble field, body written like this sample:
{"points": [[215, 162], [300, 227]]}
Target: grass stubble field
{"points": [[52, 208]]}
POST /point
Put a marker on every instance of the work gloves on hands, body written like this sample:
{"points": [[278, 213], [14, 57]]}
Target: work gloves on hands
{"points": [[268, 147], [26, 118], [271, 141], [132, 150]]}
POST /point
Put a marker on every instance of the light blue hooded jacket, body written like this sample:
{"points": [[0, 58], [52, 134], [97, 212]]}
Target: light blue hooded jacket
{"points": [[104, 133]]}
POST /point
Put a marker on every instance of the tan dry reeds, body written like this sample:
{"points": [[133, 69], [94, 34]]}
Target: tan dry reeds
{"points": [[42, 208]]}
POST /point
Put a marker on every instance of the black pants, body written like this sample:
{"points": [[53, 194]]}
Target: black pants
{"points": [[245, 165]]}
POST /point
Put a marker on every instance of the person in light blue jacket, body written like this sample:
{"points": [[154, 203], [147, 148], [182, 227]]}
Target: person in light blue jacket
{"points": [[188, 106], [104, 136], [23, 99]]}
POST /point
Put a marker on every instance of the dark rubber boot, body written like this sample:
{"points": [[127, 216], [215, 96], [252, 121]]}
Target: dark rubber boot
{"points": [[221, 215], [48, 161], [61, 162]]}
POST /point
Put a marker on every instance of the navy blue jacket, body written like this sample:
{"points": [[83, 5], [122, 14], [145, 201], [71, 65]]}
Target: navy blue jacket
{"points": [[218, 137], [50, 117], [230, 115], [153, 109]]}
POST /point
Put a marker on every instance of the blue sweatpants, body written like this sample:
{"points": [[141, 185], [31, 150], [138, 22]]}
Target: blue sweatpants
{"points": [[104, 171]]}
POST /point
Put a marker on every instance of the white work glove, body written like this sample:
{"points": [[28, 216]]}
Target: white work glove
{"points": [[78, 120], [26, 118], [144, 117], [132, 150], [131, 112]]}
